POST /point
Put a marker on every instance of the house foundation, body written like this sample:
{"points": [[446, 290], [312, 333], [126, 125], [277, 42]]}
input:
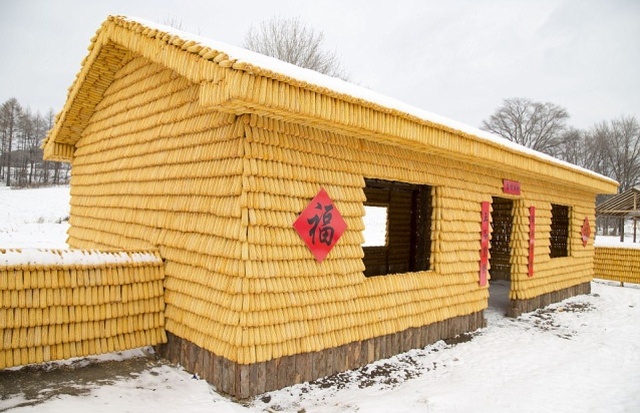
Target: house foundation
{"points": [[519, 307], [247, 380]]}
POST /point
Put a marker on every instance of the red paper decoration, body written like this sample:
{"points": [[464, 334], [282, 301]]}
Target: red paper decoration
{"points": [[484, 242], [320, 225], [510, 187], [532, 238], [585, 232]]}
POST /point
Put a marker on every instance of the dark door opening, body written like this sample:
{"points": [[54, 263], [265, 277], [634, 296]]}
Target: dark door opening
{"points": [[501, 224], [500, 252]]}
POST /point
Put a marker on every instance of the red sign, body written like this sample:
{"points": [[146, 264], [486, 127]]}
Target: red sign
{"points": [[532, 238], [320, 225], [484, 242], [510, 187], [585, 232]]}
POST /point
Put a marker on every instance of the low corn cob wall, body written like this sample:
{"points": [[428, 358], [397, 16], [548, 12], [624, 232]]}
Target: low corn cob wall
{"points": [[59, 304], [618, 264]]}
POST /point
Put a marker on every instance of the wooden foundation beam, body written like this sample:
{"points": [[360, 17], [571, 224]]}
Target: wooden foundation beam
{"points": [[247, 380], [524, 306]]}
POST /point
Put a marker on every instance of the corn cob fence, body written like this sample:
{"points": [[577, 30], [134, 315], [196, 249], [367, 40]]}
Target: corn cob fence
{"points": [[59, 304], [617, 264]]}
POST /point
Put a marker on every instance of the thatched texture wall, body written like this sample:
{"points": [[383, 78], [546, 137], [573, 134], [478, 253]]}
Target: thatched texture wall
{"points": [[617, 264], [52, 310]]}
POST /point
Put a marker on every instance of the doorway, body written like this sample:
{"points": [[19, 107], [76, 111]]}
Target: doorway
{"points": [[500, 253]]}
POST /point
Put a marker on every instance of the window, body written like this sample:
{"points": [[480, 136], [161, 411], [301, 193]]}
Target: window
{"points": [[397, 227], [559, 231]]}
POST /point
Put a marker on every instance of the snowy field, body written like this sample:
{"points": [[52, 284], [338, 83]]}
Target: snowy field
{"points": [[37, 218], [581, 355]]}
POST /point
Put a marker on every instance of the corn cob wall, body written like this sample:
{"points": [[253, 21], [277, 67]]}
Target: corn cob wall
{"points": [[316, 306], [155, 170], [618, 264], [550, 274], [56, 310]]}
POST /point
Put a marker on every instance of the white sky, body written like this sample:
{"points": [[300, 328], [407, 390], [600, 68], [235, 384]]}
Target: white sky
{"points": [[456, 58]]}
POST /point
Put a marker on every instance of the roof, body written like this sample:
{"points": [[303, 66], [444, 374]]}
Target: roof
{"points": [[625, 204], [236, 80]]}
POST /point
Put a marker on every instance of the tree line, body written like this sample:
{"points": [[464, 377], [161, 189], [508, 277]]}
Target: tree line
{"points": [[21, 134]]}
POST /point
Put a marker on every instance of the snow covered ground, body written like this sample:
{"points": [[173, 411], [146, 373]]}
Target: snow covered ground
{"points": [[581, 355], [37, 218], [609, 241]]}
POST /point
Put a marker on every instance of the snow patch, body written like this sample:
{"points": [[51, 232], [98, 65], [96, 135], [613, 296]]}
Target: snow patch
{"points": [[37, 256], [34, 218]]}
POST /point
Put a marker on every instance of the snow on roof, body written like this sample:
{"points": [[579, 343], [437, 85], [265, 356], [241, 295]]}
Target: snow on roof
{"points": [[46, 257], [351, 90]]}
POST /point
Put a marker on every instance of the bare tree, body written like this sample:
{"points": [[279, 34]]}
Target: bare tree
{"points": [[581, 148], [46, 165], [25, 137], [535, 125], [174, 22], [619, 141], [9, 115], [571, 147], [292, 41], [595, 150]]}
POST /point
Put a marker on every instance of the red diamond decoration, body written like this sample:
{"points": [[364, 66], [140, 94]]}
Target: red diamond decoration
{"points": [[585, 232], [320, 225]]}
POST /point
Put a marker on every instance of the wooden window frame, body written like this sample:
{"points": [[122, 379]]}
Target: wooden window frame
{"points": [[560, 233], [408, 238]]}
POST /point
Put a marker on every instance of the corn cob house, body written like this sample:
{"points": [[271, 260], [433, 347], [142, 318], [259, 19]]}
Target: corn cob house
{"points": [[210, 153]]}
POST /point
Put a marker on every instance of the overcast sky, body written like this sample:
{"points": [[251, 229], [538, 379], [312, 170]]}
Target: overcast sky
{"points": [[455, 58]]}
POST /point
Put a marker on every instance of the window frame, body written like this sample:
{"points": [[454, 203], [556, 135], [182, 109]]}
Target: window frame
{"points": [[409, 211], [560, 232]]}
